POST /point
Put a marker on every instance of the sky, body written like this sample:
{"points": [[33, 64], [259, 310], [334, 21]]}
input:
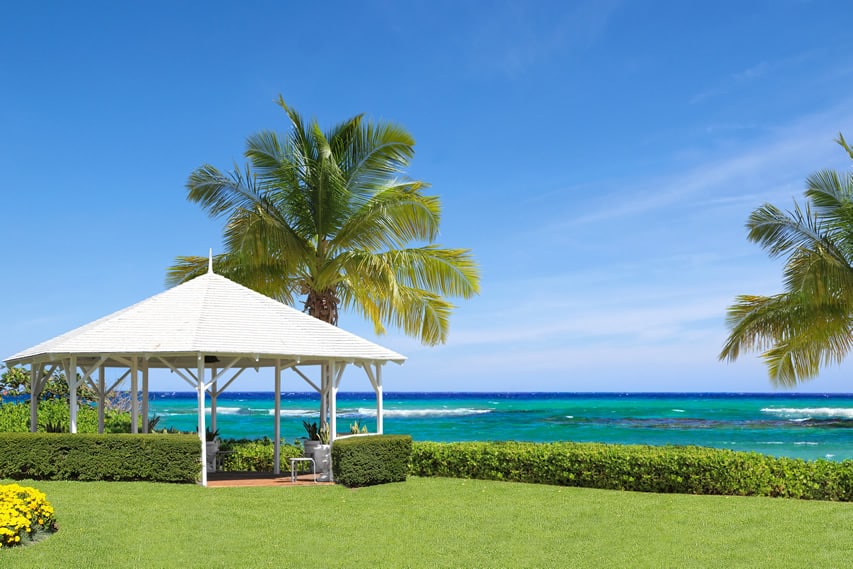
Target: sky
{"points": [[600, 158]]}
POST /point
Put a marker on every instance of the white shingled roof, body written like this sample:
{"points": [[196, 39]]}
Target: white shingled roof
{"points": [[214, 316]]}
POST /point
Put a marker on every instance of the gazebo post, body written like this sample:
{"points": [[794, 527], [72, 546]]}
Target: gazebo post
{"points": [[71, 378], [134, 395], [202, 430], [324, 390], [144, 395], [35, 392], [333, 401], [379, 409], [102, 398], [277, 430], [213, 395]]}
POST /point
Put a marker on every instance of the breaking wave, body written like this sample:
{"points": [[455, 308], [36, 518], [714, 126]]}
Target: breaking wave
{"points": [[809, 412], [371, 412]]}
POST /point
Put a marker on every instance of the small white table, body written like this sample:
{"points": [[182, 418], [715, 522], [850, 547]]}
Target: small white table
{"points": [[297, 462]]}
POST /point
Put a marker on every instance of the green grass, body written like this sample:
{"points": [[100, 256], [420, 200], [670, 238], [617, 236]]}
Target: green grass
{"points": [[429, 522]]}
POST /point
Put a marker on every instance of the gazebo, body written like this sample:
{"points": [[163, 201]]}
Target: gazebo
{"points": [[207, 331]]}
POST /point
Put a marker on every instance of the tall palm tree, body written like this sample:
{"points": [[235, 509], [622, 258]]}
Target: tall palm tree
{"points": [[330, 217], [810, 324]]}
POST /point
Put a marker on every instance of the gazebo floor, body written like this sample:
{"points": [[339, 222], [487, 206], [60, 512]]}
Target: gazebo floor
{"points": [[237, 479]]}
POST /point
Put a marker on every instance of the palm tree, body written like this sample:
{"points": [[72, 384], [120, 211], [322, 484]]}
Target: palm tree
{"points": [[809, 325], [330, 216]]}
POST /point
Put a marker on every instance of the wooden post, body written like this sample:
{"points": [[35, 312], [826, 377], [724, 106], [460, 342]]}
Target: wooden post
{"points": [[102, 398], [134, 396], [213, 400], [35, 392], [201, 422], [333, 402], [277, 429], [144, 396], [379, 405], [71, 377]]}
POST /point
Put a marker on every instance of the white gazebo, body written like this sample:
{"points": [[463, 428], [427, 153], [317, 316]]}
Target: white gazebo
{"points": [[208, 331]]}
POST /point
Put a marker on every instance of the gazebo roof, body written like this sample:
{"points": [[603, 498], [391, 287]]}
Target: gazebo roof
{"points": [[208, 315]]}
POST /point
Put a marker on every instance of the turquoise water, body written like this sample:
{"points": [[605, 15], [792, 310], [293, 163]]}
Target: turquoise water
{"points": [[793, 425]]}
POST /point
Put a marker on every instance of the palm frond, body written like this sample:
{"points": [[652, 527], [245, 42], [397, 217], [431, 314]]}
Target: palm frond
{"points": [[820, 274], [416, 312], [187, 268], [779, 232], [263, 278], [394, 217], [843, 143], [795, 334]]}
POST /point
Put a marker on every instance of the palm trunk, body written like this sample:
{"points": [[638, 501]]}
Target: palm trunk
{"points": [[323, 305]]}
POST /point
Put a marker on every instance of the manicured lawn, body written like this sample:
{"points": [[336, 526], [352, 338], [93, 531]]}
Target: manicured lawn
{"points": [[429, 523]]}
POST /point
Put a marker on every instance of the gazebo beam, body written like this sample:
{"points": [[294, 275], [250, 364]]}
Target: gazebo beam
{"points": [[202, 430], [38, 379], [306, 378]]}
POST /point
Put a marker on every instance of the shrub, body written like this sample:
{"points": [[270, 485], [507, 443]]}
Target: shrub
{"points": [[375, 459], [48, 456], [668, 469], [53, 416], [25, 515], [255, 455]]}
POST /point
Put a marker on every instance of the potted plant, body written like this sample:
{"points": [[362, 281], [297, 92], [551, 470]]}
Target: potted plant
{"points": [[212, 441], [313, 439], [317, 447], [356, 428]]}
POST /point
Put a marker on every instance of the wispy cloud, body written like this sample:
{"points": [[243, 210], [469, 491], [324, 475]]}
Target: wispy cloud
{"points": [[785, 156], [511, 37], [744, 77]]}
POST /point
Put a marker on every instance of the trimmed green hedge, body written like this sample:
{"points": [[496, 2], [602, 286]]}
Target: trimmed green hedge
{"points": [[374, 459], [246, 455], [667, 469], [49, 456]]}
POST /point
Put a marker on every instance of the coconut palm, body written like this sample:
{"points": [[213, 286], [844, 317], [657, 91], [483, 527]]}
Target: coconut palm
{"points": [[330, 218], [809, 325]]}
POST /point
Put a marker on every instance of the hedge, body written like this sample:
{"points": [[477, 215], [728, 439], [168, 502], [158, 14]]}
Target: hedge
{"points": [[662, 469], [55, 456], [374, 459], [53, 416], [247, 455]]}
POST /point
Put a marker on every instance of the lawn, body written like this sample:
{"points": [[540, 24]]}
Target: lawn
{"points": [[429, 522]]}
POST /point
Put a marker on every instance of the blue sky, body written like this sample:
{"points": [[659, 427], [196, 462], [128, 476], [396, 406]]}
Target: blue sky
{"points": [[600, 158]]}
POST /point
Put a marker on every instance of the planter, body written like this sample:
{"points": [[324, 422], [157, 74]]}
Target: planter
{"points": [[308, 447], [323, 461], [212, 449]]}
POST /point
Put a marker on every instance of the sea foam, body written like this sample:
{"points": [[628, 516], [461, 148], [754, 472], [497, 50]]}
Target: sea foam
{"points": [[796, 413]]}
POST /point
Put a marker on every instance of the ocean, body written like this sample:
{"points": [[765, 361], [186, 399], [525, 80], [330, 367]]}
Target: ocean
{"points": [[806, 426]]}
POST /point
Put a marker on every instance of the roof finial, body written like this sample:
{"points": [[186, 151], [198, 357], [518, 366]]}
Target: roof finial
{"points": [[210, 262]]}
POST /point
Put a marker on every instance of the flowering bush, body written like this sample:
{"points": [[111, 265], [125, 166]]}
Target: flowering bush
{"points": [[25, 514]]}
